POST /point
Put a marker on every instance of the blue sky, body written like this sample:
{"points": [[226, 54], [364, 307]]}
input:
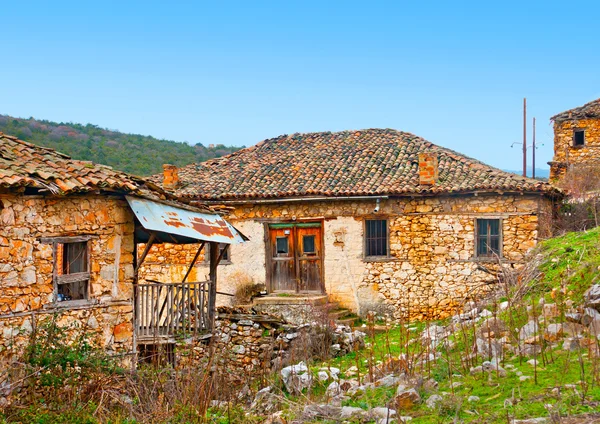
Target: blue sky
{"points": [[239, 72]]}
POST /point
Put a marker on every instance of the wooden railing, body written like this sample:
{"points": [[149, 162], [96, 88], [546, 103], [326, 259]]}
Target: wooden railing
{"points": [[169, 309]]}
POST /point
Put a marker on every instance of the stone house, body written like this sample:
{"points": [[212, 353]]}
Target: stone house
{"points": [[69, 237], [576, 141], [373, 219]]}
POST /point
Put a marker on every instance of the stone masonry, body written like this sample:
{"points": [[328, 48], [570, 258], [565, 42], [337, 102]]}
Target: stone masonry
{"points": [[431, 270], [566, 155], [26, 266]]}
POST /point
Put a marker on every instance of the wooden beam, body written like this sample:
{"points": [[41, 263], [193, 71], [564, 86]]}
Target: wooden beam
{"points": [[144, 254], [193, 262]]}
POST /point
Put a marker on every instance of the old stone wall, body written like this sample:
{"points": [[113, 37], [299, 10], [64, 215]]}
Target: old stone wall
{"points": [[432, 269], [26, 266], [566, 154]]}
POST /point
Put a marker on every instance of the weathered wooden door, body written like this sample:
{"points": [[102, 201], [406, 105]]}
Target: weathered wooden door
{"points": [[309, 258], [283, 259], [295, 257]]}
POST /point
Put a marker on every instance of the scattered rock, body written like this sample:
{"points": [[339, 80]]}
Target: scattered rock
{"points": [[276, 418], [351, 412], [573, 329], [531, 421], [528, 330], [323, 376], [382, 412], [550, 310], [531, 349], [594, 328], [493, 367], [433, 401], [388, 381], [589, 315], [553, 332], [473, 399], [572, 343], [524, 377], [407, 398], [592, 297], [315, 411], [485, 313], [296, 378], [265, 402], [476, 370], [489, 348], [333, 389]]}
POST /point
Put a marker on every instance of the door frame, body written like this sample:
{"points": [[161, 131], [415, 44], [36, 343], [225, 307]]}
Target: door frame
{"points": [[269, 252]]}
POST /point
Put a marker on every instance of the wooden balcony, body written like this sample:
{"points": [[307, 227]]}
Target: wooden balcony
{"points": [[168, 310]]}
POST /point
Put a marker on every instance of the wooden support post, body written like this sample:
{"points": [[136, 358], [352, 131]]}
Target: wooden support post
{"points": [[193, 262], [212, 295]]}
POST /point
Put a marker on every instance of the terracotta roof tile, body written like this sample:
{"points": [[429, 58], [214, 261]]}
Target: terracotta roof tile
{"points": [[24, 164], [347, 163], [27, 165]]}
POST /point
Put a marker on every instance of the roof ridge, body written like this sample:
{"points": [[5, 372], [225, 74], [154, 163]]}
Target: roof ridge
{"points": [[349, 162], [577, 108]]}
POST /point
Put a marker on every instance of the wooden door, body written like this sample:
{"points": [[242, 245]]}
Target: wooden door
{"points": [[295, 257], [283, 258], [310, 255]]}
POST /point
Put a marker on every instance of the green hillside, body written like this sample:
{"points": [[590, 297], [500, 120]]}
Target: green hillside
{"points": [[137, 154]]}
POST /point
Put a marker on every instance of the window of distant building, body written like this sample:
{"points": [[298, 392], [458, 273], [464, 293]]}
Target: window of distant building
{"points": [[578, 138]]}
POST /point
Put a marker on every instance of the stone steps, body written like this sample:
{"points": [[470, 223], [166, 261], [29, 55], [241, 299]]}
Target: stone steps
{"points": [[341, 316]]}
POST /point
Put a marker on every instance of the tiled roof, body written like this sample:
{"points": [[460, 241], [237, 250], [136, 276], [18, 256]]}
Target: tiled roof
{"points": [[347, 163], [587, 111], [26, 165]]}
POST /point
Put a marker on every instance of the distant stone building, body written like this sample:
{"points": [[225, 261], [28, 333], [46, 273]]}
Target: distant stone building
{"points": [[576, 140], [374, 219]]}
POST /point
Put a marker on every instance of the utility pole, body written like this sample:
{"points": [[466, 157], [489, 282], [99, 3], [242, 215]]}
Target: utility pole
{"points": [[525, 137], [533, 150]]}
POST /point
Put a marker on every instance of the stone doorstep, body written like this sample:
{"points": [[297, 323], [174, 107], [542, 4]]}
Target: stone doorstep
{"points": [[292, 299]]}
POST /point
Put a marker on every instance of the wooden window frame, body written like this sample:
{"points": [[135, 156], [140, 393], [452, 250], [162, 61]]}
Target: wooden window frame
{"points": [[575, 132], [489, 257], [385, 257], [223, 261], [57, 279]]}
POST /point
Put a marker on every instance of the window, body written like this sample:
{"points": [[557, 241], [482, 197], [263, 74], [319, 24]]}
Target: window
{"points": [[71, 270], [282, 245], [488, 237], [578, 138], [308, 244], [376, 238], [225, 259]]}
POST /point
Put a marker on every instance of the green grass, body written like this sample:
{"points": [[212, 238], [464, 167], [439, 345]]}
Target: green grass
{"points": [[572, 261]]}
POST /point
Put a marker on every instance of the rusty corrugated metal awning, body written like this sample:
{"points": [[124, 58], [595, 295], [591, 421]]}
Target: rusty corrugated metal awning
{"points": [[176, 225]]}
